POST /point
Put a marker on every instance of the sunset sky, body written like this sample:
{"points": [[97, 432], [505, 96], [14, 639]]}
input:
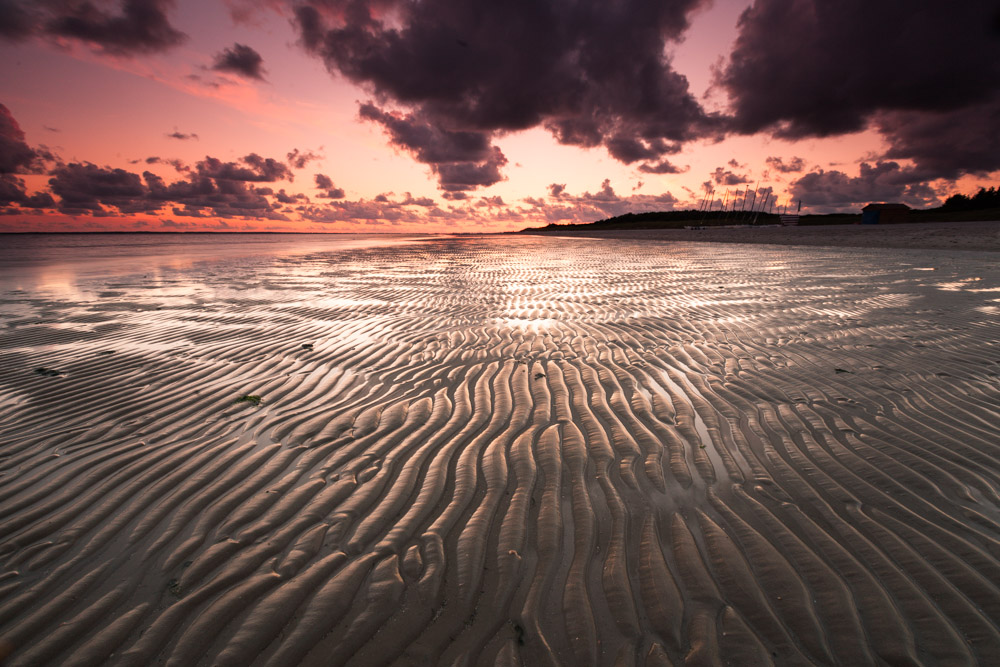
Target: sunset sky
{"points": [[451, 115]]}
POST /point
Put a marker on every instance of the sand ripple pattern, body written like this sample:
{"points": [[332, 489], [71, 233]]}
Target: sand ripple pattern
{"points": [[508, 451]]}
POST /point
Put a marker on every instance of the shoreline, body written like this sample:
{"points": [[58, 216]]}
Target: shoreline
{"points": [[981, 236]]}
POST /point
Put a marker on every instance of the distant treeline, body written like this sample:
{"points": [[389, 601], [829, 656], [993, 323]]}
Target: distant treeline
{"points": [[668, 220], [984, 205], [981, 200]]}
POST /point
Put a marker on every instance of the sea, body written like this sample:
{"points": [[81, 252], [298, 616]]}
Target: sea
{"points": [[46, 262]]}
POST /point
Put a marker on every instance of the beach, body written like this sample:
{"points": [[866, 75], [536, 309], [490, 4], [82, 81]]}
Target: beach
{"points": [[506, 450], [975, 235]]}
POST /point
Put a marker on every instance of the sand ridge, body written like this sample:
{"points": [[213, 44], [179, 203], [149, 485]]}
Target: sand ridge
{"points": [[508, 451]]}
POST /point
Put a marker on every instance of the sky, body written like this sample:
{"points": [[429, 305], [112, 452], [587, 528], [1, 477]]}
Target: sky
{"points": [[455, 116]]}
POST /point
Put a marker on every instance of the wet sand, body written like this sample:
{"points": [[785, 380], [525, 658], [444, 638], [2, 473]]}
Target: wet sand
{"points": [[506, 450], [979, 236]]}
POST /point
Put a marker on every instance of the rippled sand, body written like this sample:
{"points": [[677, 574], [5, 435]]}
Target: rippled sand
{"points": [[507, 451]]}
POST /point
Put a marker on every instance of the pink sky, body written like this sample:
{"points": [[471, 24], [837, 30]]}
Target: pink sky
{"points": [[96, 107]]}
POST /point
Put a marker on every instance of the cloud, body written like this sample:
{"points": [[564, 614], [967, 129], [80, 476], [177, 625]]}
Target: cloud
{"points": [[131, 27], [17, 157], [87, 188], [299, 159], [333, 193], [182, 136], [593, 74], [811, 68], [242, 60], [212, 188], [563, 207], [723, 176], [462, 160], [15, 154], [251, 168], [882, 182], [324, 182], [794, 165], [945, 144], [661, 167], [12, 191]]}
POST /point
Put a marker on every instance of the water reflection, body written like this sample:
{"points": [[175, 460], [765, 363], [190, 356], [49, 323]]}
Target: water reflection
{"points": [[74, 266]]}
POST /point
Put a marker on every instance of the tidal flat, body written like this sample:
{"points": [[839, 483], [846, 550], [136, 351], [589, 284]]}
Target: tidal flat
{"points": [[501, 450]]}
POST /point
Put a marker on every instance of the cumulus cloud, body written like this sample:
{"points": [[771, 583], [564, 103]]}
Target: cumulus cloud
{"points": [[661, 167], [723, 176], [251, 168], [593, 74], [87, 188], [126, 27], [882, 182], [561, 206], [325, 183], [299, 159], [213, 188], [241, 60], [794, 165]]}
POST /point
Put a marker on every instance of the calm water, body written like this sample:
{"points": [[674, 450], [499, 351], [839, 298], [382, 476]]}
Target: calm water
{"points": [[60, 262]]}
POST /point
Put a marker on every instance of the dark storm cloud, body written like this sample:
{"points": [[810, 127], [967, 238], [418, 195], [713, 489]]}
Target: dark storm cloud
{"points": [[882, 182], [795, 164], [17, 19], [811, 68], [242, 60], [819, 68], [462, 160], [591, 73], [128, 27], [948, 143], [470, 175]]}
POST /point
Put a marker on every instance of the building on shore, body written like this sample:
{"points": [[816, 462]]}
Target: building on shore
{"points": [[882, 214]]}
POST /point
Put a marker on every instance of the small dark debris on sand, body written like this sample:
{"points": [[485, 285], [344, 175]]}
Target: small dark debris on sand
{"points": [[252, 399]]}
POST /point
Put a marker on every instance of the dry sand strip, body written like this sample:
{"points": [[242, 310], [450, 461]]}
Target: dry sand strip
{"points": [[513, 450], [980, 236]]}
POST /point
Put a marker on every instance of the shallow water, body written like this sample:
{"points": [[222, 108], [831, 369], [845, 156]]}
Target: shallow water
{"points": [[505, 450]]}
